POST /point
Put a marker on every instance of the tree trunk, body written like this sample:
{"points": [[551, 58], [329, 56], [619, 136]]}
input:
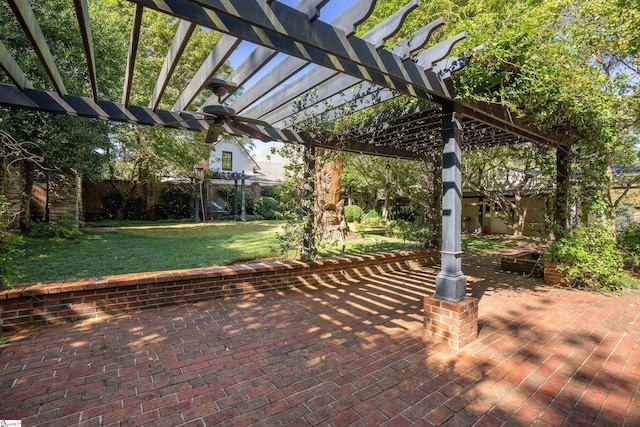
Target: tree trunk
{"points": [[29, 179], [519, 214]]}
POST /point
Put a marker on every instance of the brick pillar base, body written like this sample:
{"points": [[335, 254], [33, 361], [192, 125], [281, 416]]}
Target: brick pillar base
{"points": [[452, 323]]}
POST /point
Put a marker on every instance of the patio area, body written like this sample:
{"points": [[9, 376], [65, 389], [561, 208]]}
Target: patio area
{"points": [[352, 353]]}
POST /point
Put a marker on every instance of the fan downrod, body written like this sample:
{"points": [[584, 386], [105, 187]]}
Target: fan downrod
{"points": [[220, 87]]}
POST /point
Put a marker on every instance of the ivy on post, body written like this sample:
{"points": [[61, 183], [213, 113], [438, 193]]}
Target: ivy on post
{"points": [[308, 249], [561, 208]]}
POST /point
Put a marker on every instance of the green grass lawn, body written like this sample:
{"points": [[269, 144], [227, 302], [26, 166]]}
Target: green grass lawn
{"points": [[140, 247], [155, 247]]}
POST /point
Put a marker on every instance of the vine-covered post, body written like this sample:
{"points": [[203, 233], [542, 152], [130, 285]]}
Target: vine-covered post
{"points": [[561, 211], [451, 283], [307, 251]]}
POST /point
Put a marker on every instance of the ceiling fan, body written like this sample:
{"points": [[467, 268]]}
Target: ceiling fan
{"points": [[217, 116]]}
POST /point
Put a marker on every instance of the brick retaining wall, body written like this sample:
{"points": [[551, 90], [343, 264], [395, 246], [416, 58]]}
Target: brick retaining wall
{"points": [[58, 301], [522, 263], [552, 276]]}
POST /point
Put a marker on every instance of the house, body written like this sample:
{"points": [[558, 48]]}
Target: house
{"points": [[489, 206], [230, 159]]}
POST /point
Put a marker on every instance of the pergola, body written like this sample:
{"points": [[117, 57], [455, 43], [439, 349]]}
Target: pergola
{"points": [[348, 69]]}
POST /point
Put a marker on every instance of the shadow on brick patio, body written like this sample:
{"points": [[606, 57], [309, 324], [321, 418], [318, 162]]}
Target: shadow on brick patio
{"points": [[337, 354]]}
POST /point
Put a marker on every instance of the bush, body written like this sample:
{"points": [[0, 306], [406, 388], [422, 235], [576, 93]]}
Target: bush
{"points": [[137, 207], [398, 228], [267, 208], [66, 228], [10, 246], [628, 241], [176, 202], [371, 218], [590, 258], [274, 191], [353, 213], [112, 201]]}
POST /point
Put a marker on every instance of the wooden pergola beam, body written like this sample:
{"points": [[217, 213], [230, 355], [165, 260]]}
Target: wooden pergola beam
{"points": [[82, 13], [316, 42], [12, 69], [347, 22], [133, 49], [405, 48], [225, 46], [183, 34], [29, 23], [261, 55]]}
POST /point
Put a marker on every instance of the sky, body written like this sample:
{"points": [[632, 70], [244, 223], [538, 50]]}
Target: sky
{"points": [[328, 13]]}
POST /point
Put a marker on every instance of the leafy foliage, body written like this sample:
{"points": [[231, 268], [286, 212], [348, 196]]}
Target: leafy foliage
{"points": [[267, 208], [66, 228], [113, 201], [274, 191], [10, 246], [176, 202], [628, 240], [589, 257], [372, 218], [353, 213]]}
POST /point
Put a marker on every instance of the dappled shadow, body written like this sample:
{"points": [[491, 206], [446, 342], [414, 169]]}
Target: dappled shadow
{"points": [[338, 353]]}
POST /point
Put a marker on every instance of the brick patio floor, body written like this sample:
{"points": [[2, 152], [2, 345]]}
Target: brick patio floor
{"points": [[345, 354]]}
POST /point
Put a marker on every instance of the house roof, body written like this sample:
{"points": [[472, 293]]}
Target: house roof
{"points": [[349, 69]]}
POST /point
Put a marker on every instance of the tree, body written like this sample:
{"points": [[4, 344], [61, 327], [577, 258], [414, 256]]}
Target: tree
{"points": [[92, 148], [142, 154], [64, 145]]}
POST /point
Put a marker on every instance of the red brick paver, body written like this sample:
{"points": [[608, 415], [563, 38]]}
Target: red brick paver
{"points": [[353, 353]]}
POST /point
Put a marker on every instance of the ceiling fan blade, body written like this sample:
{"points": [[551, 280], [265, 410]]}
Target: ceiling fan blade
{"points": [[213, 133], [251, 121], [251, 131], [185, 117]]}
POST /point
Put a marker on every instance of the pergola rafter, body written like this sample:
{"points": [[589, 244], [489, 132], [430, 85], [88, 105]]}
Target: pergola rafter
{"points": [[324, 70]]}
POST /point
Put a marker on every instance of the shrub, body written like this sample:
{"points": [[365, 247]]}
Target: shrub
{"points": [[628, 241], [176, 202], [589, 257], [274, 191], [267, 208], [353, 213], [371, 218], [398, 228], [111, 202], [66, 228], [10, 246], [137, 207]]}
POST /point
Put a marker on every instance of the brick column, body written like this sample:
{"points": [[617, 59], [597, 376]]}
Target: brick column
{"points": [[452, 323]]}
